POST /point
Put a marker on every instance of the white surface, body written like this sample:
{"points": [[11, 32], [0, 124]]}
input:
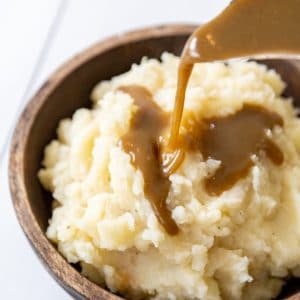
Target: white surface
{"points": [[23, 33], [36, 37]]}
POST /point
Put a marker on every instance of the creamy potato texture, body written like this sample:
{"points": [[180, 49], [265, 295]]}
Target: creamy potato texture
{"points": [[239, 245]]}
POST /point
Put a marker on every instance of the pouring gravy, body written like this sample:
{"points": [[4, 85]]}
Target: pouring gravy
{"points": [[246, 28]]}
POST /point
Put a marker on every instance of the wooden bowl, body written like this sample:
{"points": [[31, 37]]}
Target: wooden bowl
{"points": [[65, 91]]}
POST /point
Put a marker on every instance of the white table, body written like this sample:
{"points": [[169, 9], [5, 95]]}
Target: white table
{"points": [[36, 37]]}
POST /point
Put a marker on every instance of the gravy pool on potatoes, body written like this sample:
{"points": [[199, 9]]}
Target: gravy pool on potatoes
{"points": [[244, 29], [233, 140]]}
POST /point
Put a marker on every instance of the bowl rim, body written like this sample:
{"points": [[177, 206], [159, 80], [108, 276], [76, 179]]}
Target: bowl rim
{"points": [[70, 279]]}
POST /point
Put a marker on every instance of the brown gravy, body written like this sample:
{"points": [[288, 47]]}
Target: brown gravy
{"points": [[234, 140], [246, 28], [142, 142]]}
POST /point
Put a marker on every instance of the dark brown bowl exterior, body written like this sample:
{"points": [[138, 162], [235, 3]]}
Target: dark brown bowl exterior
{"points": [[65, 91]]}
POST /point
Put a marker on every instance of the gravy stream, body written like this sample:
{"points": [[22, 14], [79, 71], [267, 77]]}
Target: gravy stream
{"points": [[244, 29], [233, 140]]}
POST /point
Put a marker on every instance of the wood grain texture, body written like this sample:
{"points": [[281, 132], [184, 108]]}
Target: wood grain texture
{"points": [[65, 91]]}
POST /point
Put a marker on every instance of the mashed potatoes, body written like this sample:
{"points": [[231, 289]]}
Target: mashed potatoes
{"points": [[239, 245]]}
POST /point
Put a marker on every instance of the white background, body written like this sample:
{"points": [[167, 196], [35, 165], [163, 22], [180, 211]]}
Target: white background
{"points": [[36, 36]]}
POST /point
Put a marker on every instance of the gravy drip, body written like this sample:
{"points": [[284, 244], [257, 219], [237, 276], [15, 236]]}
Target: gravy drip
{"points": [[246, 28], [142, 143]]}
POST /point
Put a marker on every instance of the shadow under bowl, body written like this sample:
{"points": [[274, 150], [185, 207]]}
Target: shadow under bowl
{"points": [[65, 91]]}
